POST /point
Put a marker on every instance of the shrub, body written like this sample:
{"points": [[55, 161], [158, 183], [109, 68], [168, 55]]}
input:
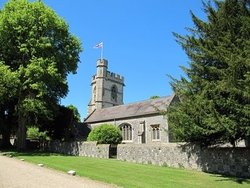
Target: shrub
{"points": [[34, 133], [105, 134]]}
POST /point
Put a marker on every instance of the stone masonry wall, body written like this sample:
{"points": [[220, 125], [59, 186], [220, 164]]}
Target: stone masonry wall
{"points": [[228, 161], [87, 149]]}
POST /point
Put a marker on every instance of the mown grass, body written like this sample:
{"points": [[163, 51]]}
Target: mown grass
{"points": [[132, 175]]}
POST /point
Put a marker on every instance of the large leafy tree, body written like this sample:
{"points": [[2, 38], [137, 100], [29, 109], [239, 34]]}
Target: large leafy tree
{"points": [[39, 50], [214, 104]]}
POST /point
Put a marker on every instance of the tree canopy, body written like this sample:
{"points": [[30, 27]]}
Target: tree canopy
{"points": [[76, 114], [214, 96], [37, 52]]}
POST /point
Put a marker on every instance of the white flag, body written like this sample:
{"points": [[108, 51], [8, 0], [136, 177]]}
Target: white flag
{"points": [[100, 45]]}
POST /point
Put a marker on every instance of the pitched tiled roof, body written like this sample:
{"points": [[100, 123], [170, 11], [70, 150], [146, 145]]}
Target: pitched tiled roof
{"points": [[148, 107]]}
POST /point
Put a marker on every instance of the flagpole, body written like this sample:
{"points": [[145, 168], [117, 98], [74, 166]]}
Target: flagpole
{"points": [[100, 45], [102, 53]]}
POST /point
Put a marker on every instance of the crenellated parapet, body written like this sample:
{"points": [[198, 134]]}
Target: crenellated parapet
{"points": [[115, 77], [111, 76]]}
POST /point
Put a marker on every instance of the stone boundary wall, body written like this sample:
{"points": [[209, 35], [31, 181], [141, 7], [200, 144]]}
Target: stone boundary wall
{"points": [[227, 161], [222, 160], [87, 149]]}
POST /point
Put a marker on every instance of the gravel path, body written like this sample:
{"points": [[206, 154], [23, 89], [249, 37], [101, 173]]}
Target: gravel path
{"points": [[15, 173]]}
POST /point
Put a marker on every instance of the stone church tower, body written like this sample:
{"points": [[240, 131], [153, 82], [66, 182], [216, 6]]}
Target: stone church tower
{"points": [[107, 88]]}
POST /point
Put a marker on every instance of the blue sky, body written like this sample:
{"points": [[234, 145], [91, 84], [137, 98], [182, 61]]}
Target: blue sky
{"points": [[138, 43]]}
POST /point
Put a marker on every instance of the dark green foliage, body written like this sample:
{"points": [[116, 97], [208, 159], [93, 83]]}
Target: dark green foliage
{"points": [[214, 102], [76, 114], [105, 134], [61, 127]]}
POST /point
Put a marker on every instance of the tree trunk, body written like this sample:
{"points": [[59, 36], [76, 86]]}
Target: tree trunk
{"points": [[21, 132], [247, 141]]}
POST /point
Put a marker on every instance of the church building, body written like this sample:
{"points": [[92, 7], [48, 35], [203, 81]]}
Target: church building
{"points": [[139, 122]]}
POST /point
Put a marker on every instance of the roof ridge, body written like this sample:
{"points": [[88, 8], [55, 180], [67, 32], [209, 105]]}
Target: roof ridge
{"points": [[139, 108], [138, 102]]}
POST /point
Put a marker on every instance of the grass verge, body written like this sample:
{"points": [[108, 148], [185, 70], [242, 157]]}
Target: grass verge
{"points": [[132, 175]]}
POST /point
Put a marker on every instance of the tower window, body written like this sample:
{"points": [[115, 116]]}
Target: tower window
{"points": [[114, 93]]}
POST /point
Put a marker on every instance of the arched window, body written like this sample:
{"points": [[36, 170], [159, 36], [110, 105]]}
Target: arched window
{"points": [[114, 93], [155, 132], [126, 130]]}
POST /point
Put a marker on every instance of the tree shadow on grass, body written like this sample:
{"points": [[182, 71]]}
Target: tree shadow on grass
{"points": [[231, 178], [14, 153]]}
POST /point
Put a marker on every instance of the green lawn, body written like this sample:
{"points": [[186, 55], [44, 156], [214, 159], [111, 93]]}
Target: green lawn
{"points": [[132, 175]]}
